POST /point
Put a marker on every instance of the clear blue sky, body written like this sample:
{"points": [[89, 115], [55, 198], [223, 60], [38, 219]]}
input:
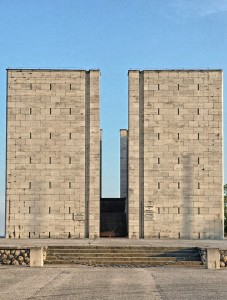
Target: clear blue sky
{"points": [[113, 35]]}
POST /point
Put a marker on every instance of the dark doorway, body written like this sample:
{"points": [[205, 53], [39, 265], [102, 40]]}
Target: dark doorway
{"points": [[113, 222]]}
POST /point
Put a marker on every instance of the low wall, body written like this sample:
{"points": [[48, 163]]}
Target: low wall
{"points": [[223, 257], [21, 257], [15, 257], [29, 256]]}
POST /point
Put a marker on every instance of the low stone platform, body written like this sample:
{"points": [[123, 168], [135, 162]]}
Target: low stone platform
{"points": [[117, 251], [221, 244]]}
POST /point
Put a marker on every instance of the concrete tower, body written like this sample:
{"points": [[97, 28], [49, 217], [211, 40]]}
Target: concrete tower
{"points": [[124, 163], [175, 154], [53, 154]]}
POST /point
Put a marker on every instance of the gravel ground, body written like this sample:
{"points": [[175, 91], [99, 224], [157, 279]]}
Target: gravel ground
{"points": [[83, 282]]}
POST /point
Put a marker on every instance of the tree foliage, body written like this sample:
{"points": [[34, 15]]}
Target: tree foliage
{"points": [[225, 189]]}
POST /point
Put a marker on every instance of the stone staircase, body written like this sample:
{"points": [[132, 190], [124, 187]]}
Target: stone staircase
{"points": [[123, 256]]}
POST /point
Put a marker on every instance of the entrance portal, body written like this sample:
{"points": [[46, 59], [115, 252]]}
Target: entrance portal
{"points": [[113, 222]]}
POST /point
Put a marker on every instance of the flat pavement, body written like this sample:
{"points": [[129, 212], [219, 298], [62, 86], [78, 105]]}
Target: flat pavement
{"points": [[83, 282], [221, 244]]}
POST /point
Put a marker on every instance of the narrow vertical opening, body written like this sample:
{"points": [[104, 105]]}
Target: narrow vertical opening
{"points": [[69, 185], [50, 111], [70, 160], [178, 160], [198, 185], [159, 210], [50, 86], [158, 111], [158, 160], [70, 111], [30, 110], [49, 160], [178, 86], [178, 185], [30, 86], [198, 210], [29, 235], [70, 135], [30, 160], [70, 86], [197, 111], [69, 210], [50, 135], [30, 185], [178, 111], [30, 135], [178, 136], [159, 185], [198, 136], [198, 86], [179, 235], [49, 185], [29, 210], [49, 235], [178, 210], [199, 235], [158, 136], [49, 210], [198, 161], [158, 86]]}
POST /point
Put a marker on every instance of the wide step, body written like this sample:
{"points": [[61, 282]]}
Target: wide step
{"points": [[134, 256]]}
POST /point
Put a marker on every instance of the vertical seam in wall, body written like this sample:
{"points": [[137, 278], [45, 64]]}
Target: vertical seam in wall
{"points": [[100, 165], [87, 151], [129, 160], [222, 154], [127, 214], [141, 154], [6, 200]]}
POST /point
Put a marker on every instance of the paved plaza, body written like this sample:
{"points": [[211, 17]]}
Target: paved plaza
{"points": [[82, 282], [86, 282]]}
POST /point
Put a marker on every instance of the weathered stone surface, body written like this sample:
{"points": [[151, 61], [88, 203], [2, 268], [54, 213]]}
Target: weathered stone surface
{"points": [[222, 264], [123, 163], [175, 145], [14, 257], [15, 262], [53, 154], [175, 167]]}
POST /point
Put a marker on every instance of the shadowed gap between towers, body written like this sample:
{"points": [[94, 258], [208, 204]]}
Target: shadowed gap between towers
{"points": [[114, 211]]}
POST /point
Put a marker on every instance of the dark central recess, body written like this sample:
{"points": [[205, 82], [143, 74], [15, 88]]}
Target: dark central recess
{"points": [[113, 221]]}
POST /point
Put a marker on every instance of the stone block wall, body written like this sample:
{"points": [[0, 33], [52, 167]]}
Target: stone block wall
{"points": [[175, 154], [123, 163], [53, 154], [15, 257]]}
